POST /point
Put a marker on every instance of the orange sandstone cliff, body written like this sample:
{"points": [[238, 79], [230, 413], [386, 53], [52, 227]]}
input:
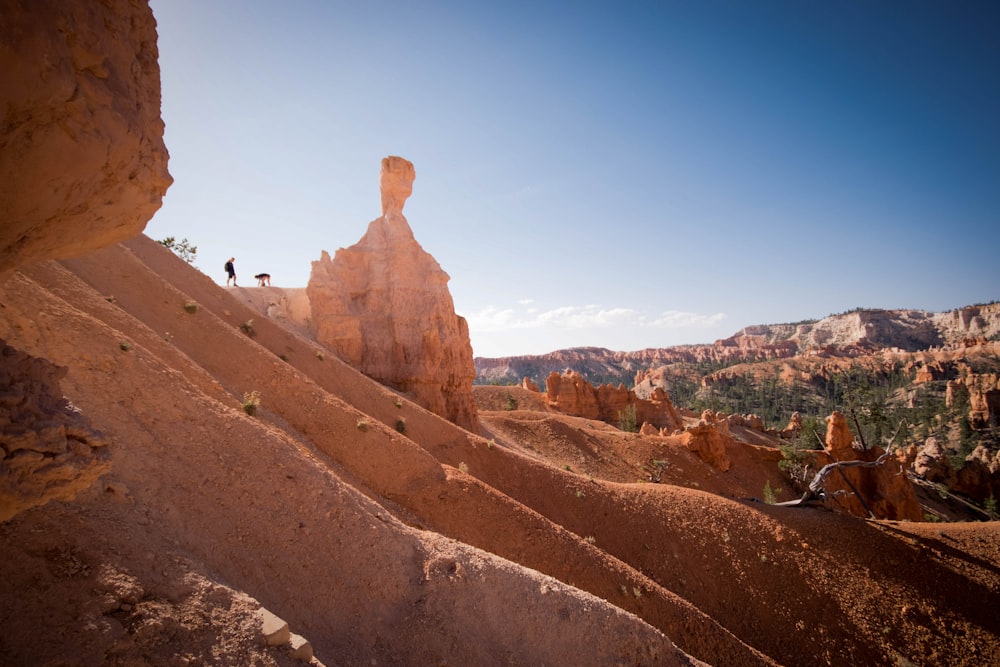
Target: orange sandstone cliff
{"points": [[384, 307], [82, 165], [82, 159]]}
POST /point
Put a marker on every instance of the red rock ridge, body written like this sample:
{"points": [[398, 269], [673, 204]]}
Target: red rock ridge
{"points": [[571, 394]]}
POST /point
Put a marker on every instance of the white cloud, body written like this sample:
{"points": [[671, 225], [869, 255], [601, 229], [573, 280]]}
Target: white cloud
{"points": [[677, 319], [591, 316]]}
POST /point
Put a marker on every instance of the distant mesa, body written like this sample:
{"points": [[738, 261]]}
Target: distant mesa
{"points": [[383, 306]]}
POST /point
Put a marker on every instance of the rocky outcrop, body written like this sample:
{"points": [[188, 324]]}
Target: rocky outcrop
{"points": [[794, 427], [571, 394], [978, 478], [82, 165], [49, 450], [708, 439], [883, 490], [931, 463], [82, 159], [383, 306], [839, 438], [752, 421], [983, 392]]}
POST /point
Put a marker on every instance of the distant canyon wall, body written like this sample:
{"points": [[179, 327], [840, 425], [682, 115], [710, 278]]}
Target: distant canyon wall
{"points": [[868, 330], [850, 334]]}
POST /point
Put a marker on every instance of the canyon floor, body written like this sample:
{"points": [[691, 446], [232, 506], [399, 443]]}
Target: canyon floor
{"points": [[385, 535]]}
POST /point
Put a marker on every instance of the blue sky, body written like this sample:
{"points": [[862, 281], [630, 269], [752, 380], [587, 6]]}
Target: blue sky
{"points": [[623, 175]]}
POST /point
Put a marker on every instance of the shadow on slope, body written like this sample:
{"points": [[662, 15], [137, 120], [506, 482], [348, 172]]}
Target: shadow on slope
{"points": [[257, 506], [763, 573]]}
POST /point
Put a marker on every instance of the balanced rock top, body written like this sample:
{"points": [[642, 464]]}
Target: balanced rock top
{"points": [[396, 184]]}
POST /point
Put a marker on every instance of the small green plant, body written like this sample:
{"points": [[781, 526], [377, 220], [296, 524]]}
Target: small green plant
{"points": [[248, 328], [125, 346], [182, 248], [657, 474], [191, 306], [362, 425], [251, 401], [401, 425], [990, 505], [636, 592], [398, 403], [795, 460], [464, 468], [627, 419], [566, 466], [320, 355], [580, 493], [490, 444], [511, 403], [770, 495], [590, 539], [110, 298], [624, 589]]}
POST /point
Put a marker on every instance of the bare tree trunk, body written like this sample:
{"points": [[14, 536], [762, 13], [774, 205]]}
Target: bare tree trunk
{"points": [[817, 487]]}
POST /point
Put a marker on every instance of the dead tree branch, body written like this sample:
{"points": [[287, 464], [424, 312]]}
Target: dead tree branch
{"points": [[816, 490]]}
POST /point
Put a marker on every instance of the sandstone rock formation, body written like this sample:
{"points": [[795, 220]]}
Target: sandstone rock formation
{"points": [[82, 165], [984, 397], [839, 438], [883, 491], [978, 477], [931, 463], [709, 438], [49, 450], [383, 306], [794, 427], [571, 394], [82, 160]]}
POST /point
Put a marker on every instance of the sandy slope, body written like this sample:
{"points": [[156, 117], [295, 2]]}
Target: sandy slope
{"points": [[429, 546]]}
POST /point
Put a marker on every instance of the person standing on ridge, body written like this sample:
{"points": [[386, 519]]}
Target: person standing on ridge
{"points": [[231, 272]]}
